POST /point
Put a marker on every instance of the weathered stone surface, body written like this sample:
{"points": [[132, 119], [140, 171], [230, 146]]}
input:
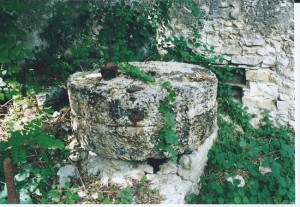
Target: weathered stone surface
{"points": [[51, 96], [173, 180], [168, 168], [247, 60], [118, 124], [253, 39], [65, 173], [266, 76], [265, 90]]}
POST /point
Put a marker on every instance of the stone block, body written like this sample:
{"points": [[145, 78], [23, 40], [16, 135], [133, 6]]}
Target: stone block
{"points": [[264, 90], [265, 76], [247, 60], [231, 47], [117, 124], [255, 39], [259, 102], [282, 61]]}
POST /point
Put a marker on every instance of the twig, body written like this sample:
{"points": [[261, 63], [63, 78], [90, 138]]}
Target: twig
{"points": [[83, 185], [6, 103], [63, 116]]}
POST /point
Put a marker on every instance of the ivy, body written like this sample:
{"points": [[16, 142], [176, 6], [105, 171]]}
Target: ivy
{"points": [[136, 73], [167, 135], [29, 138]]}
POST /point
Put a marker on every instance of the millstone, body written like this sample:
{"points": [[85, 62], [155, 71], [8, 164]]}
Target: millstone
{"points": [[119, 118]]}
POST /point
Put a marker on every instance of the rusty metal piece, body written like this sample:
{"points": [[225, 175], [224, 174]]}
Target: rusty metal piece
{"points": [[13, 197], [109, 71]]}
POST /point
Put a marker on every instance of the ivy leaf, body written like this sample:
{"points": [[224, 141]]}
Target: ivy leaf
{"points": [[237, 200], [243, 144], [282, 182], [18, 154], [276, 168], [171, 137]]}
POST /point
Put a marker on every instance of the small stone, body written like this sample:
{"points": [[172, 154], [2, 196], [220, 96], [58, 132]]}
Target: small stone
{"points": [[94, 196], [264, 170], [269, 61], [253, 39], [104, 179], [74, 157], [237, 177], [266, 76], [30, 111], [168, 168], [73, 144], [66, 127], [51, 96], [55, 114], [282, 61], [81, 194], [185, 162], [146, 168], [65, 173], [134, 89]]}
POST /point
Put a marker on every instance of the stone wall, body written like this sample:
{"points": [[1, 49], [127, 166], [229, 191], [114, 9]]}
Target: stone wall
{"points": [[258, 36]]}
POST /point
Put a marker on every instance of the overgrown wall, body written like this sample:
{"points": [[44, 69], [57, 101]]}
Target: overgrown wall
{"points": [[258, 36]]}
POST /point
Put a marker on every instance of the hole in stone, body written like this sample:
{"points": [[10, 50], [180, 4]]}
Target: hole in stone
{"points": [[239, 79], [155, 163], [237, 93], [152, 73]]}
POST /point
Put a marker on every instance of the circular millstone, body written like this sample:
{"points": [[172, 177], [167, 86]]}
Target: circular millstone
{"points": [[119, 118]]}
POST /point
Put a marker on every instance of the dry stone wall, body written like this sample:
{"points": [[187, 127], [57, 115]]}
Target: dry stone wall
{"points": [[257, 36]]}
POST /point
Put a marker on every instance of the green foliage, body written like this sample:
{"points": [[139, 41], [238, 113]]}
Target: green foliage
{"points": [[67, 195], [124, 196], [136, 73], [241, 152], [29, 138], [139, 190], [12, 50], [76, 43], [167, 135]]}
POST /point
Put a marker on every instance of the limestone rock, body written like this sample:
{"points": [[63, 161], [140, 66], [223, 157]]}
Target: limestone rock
{"points": [[168, 168], [121, 125], [253, 39], [196, 160], [65, 173], [146, 168], [237, 177], [247, 60], [51, 96], [172, 187], [266, 76], [264, 170]]}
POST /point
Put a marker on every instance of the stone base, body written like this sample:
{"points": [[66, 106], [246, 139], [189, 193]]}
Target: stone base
{"points": [[174, 180]]}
